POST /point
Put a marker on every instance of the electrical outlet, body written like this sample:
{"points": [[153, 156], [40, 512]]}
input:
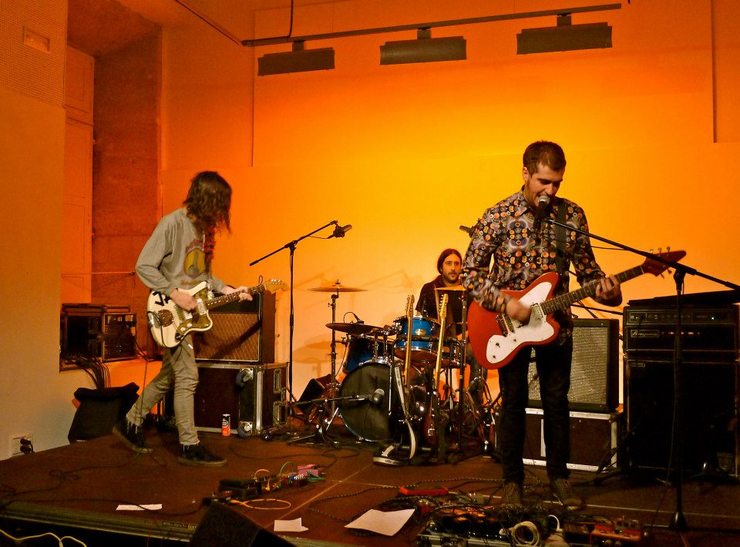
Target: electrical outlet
{"points": [[15, 443]]}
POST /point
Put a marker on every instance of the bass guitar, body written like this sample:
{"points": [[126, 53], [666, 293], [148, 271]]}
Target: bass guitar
{"points": [[169, 323], [496, 338]]}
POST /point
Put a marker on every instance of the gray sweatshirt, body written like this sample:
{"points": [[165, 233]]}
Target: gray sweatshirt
{"points": [[174, 256]]}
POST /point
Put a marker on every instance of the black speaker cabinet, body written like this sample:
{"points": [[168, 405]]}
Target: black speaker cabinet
{"points": [[226, 526], [708, 414], [241, 332], [253, 395], [594, 378]]}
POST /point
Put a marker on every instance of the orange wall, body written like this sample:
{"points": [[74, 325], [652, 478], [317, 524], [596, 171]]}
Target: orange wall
{"points": [[406, 154]]}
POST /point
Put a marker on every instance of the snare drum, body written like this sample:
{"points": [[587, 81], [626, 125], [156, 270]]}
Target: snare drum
{"points": [[424, 333]]}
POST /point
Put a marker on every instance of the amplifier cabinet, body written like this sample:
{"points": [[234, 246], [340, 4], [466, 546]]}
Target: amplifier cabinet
{"points": [[594, 377], [708, 415], [242, 331], [253, 395], [594, 439]]}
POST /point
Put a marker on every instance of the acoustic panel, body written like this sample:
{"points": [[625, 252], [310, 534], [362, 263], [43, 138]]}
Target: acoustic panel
{"points": [[594, 384]]}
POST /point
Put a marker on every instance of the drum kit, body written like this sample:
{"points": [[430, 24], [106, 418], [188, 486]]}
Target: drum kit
{"points": [[388, 376]]}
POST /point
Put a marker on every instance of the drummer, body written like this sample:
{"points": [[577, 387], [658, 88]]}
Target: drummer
{"points": [[449, 265]]}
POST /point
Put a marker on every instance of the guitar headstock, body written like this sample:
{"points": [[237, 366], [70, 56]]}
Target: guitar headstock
{"points": [[271, 285], [442, 311], [657, 267], [410, 306]]}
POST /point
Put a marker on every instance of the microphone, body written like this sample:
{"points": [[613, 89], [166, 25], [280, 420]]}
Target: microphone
{"points": [[467, 230], [542, 202], [339, 231], [357, 319], [377, 396]]}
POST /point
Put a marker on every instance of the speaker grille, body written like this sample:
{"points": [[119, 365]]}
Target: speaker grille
{"points": [[234, 336], [708, 415], [242, 331], [594, 377]]}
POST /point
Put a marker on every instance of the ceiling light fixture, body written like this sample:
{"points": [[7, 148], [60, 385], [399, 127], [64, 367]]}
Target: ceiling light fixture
{"points": [[297, 60], [424, 49], [564, 37]]}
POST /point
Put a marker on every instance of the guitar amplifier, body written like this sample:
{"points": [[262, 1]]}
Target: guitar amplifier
{"points": [[708, 379], [708, 333], [594, 383], [241, 332], [253, 395]]}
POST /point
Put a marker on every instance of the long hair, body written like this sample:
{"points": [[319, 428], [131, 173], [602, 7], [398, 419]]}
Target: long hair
{"points": [[209, 201], [547, 153], [444, 254]]}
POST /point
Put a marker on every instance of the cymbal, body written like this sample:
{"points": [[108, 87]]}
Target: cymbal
{"points": [[336, 287], [354, 329], [452, 288]]}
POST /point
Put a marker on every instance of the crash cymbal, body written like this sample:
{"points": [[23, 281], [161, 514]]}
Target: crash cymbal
{"points": [[354, 329], [336, 287]]}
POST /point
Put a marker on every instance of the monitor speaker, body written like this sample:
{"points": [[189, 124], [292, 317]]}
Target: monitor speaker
{"points": [[594, 378], [225, 526], [241, 332]]}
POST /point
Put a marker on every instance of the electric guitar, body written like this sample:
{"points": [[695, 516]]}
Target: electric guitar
{"points": [[169, 323], [434, 421], [496, 338]]}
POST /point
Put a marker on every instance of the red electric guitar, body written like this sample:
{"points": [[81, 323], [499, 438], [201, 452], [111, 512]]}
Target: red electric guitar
{"points": [[496, 338]]}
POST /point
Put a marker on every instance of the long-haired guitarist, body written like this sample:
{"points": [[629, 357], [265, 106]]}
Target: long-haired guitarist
{"points": [[176, 258], [511, 247]]}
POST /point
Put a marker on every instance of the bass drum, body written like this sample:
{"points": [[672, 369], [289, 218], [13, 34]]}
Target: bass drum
{"points": [[370, 420]]}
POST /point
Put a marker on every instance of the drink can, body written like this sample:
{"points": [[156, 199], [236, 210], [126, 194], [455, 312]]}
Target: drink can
{"points": [[225, 425]]}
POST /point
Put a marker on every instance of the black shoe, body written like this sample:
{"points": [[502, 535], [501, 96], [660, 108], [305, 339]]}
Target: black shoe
{"points": [[197, 454], [132, 436], [565, 495], [512, 494]]}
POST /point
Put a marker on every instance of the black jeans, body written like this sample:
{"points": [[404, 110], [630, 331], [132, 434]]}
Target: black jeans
{"points": [[553, 366]]}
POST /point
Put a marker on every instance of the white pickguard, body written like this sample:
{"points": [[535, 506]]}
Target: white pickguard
{"points": [[499, 347]]}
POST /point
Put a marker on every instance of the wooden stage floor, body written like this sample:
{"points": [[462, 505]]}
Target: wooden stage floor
{"points": [[76, 489]]}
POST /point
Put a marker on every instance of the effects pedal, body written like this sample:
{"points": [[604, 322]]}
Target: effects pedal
{"points": [[617, 534]]}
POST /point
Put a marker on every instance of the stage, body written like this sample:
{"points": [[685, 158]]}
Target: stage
{"points": [[76, 489]]}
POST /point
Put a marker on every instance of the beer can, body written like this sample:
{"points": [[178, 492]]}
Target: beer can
{"points": [[225, 425]]}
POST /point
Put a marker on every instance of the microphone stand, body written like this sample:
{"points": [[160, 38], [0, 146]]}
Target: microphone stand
{"points": [[678, 521], [291, 246]]}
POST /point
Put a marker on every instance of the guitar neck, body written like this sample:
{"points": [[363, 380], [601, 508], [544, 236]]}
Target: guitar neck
{"points": [[563, 301], [228, 298]]}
